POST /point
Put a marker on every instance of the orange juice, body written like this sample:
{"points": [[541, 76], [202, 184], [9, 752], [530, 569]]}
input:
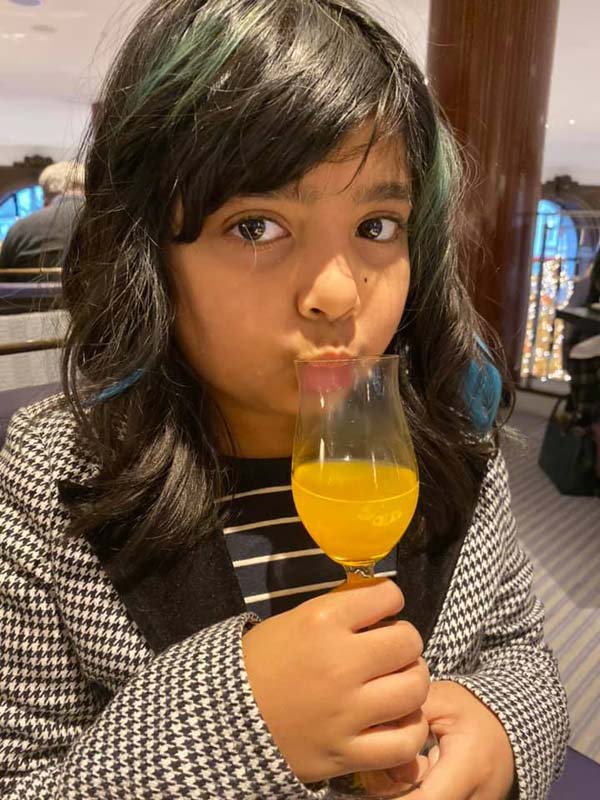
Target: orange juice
{"points": [[356, 511]]}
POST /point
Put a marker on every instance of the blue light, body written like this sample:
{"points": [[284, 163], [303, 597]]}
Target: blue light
{"points": [[19, 204], [560, 239]]}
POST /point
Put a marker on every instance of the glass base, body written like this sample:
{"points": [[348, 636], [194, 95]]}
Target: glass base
{"points": [[347, 788], [374, 785]]}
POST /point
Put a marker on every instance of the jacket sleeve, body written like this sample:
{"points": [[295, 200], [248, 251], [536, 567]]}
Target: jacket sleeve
{"points": [[186, 725], [517, 675], [6, 251]]}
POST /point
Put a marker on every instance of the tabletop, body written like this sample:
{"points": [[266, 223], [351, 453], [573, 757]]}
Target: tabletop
{"points": [[584, 318]]}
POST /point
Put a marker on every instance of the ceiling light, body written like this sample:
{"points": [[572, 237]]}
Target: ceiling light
{"points": [[13, 37], [571, 122]]}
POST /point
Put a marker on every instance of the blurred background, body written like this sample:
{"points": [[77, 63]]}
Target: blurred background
{"points": [[518, 82]]}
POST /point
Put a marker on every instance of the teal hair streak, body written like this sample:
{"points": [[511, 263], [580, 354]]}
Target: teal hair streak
{"points": [[186, 67], [439, 192]]}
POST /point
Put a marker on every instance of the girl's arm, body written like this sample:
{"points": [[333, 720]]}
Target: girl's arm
{"points": [[516, 674], [186, 725]]}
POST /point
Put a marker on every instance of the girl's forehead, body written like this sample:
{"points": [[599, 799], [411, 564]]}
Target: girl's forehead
{"points": [[359, 174], [353, 165]]}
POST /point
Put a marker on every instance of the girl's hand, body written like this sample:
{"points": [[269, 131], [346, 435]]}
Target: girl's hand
{"points": [[475, 757], [322, 682]]}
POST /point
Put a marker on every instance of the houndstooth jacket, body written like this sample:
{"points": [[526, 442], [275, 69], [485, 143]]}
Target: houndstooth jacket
{"points": [[92, 705]]}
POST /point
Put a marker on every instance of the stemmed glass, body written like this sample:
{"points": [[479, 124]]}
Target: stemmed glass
{"points": [[355, 484]]}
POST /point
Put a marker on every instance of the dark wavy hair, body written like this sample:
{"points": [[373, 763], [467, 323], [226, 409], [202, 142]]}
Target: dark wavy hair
{"points": [[207, 100]]}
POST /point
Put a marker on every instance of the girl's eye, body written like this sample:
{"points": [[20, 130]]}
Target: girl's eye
{"points": [[258, 230], [380, 229]]}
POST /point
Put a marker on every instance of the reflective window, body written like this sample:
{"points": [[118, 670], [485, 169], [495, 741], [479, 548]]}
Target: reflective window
{"points": [[19, 204]]}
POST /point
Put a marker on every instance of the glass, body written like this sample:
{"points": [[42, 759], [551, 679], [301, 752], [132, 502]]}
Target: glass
{"points": [[355, 485]]}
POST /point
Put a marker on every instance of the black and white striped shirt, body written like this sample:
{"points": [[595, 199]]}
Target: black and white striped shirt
{"points": [[277, 563]]}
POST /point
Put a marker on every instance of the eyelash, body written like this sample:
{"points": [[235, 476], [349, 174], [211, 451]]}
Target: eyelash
{"points": [[255, 244]]}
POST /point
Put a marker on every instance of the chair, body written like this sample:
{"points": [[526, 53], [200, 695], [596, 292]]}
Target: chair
{"points": [[24, 274], [29, 358], [17, 298], [31, 345], [579, 781]]}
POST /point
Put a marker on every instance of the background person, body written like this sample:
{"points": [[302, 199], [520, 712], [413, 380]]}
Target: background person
{"points": [[40, 239]]}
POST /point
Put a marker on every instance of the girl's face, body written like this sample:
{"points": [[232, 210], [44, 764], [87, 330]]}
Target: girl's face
{"points": [[320, 267]]}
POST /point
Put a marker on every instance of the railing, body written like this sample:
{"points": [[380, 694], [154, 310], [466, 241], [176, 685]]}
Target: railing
{"points": [[25, 273], [560, 258], [30, 289], [30, 345]]}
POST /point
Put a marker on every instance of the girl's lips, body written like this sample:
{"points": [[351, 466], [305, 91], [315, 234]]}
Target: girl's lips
{"points": [[322, 375], [329, 355]]}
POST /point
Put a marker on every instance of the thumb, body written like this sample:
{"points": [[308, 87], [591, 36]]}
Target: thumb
{"points": [[449, 779]]}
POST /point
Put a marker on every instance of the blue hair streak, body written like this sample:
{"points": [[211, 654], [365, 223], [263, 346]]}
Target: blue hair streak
{"points": [[119, 387], [482, 389]]}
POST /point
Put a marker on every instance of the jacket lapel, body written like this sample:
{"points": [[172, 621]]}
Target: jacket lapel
{"points": [[173, 599], [168, 600], [424, 574]]}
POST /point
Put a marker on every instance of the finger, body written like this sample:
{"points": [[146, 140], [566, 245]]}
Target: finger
{"points": [[433, 756], [452, 777], [392, 697], [389, 745], [390, 648], [367, 603]]}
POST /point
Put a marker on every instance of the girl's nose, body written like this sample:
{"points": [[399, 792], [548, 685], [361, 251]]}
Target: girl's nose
{"points": [[332, 292]]}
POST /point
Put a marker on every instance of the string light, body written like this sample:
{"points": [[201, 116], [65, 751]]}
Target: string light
{"points": [[546, 342]]}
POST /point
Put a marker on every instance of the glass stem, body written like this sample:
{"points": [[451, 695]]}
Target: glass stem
{"points": [[359, 573]]}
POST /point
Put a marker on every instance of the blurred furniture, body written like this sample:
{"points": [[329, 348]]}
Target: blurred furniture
{"points": [[16, 298], [580, 780], [30, 348], [568, 452], [25, 273], [14, 399], [584, 318]]}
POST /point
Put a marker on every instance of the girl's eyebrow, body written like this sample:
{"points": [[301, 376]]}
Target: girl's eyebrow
{"points": [[377, 193], [380, 192]]}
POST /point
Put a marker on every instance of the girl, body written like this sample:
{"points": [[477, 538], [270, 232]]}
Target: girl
{"points": [[268, 180]]}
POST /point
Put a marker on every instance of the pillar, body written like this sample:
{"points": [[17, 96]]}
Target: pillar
{"points": [[489, 63]]}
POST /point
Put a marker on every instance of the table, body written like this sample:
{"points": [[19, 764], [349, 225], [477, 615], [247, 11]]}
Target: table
{"points": [[583, 318]]}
